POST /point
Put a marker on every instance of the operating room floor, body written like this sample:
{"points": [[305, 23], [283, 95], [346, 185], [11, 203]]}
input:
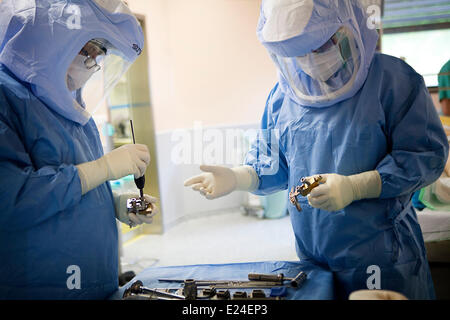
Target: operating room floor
{"points": [[218, 239]]}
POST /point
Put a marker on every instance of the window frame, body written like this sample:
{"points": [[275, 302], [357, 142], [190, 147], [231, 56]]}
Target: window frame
{"points": [[414, 28]]}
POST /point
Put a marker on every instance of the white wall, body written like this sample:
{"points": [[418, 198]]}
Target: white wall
{"points": [[206, 63], [178, 202]]}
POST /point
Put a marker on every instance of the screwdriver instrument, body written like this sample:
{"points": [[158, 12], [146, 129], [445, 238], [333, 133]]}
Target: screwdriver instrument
{"points": [[256, 281], [139, 205], [296, 282], [140, 182]]}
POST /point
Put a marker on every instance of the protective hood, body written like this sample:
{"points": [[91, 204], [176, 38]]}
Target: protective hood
{"points": [[294, 28], [39, 39]]}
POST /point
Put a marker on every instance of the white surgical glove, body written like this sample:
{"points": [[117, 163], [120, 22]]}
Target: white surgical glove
{"points": [[376, 295], [132, 219], [218, 181], [447, 168], [337, 191], [441, 189], [128, 159]]}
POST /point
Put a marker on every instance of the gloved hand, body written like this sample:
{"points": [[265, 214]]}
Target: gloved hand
{"points": [[218, 181], [447, 168], [376, 295], [128, 159], [339, 191], [441, 189], [132, 219]]}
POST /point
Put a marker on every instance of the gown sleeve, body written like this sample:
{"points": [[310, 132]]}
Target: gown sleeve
{"points": [[418, 144], [266, 155], [29, 195]]}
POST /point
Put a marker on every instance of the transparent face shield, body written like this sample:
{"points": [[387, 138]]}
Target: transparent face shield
{"points": [[96, 69], [326, 73]]}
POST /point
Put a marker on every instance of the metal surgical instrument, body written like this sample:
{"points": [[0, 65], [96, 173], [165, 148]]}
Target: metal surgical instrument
{"points": [[308, 184]]}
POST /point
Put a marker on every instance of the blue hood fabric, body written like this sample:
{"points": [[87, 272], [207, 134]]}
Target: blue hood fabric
{"points": [[40, 39], [326, 17]]}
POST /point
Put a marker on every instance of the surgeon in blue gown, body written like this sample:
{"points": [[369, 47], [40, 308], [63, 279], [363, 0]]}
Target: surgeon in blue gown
{"points": [[365, 122], [58, 232]]}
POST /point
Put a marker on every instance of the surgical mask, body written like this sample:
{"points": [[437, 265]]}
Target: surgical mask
{"points": [[322, 65], [79, 73], [325, 74]]}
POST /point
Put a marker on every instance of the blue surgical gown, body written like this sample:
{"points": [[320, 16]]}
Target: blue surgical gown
{"points": [[47, 228], [390, 125]]}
